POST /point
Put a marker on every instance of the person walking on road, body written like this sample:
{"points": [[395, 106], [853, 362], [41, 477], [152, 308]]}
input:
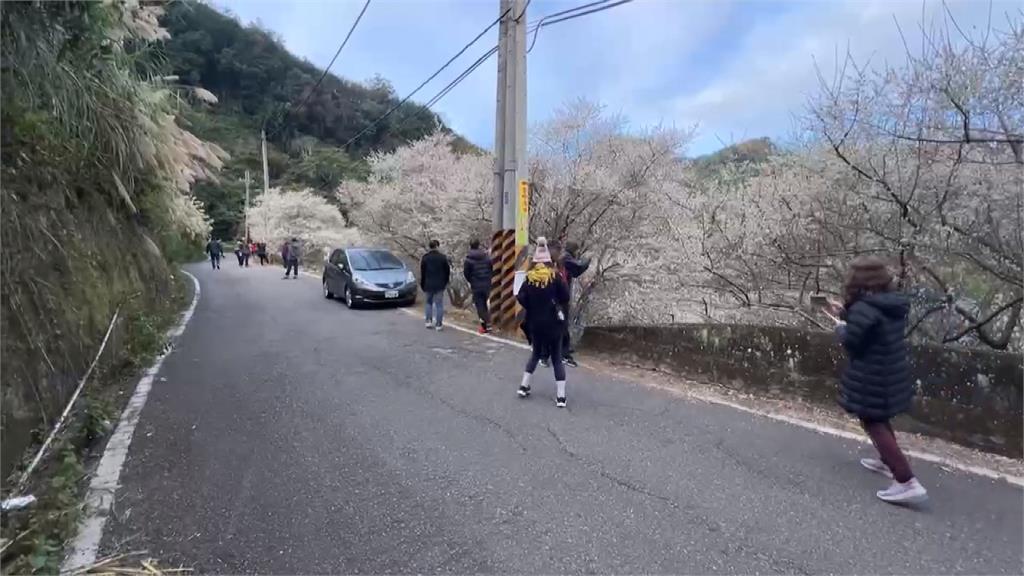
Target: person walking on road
{"points": [[261, 252], [570, 267], [238, 254], [478, 269], [291, 253], [545, 297], [246, 253], [875, 386], [435, 274], [216, 251]]}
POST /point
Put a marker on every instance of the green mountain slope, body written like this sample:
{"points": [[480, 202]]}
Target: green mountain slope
{"points": [[255, 79]]}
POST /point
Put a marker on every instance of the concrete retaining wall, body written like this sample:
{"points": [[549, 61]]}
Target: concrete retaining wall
{"points": [[970, 396]]}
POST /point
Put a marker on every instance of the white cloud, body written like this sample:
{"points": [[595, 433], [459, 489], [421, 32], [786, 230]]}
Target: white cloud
{"points": [[737, 68], [769, 77]]}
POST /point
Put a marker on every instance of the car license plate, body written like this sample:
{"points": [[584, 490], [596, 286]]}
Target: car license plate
{"points": [[391, 294]]}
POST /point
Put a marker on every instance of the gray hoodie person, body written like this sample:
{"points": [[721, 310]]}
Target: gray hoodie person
{"points": [[292, 253]]}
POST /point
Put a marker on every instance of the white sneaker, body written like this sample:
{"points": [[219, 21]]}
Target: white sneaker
{"points": [[904, 493], [438, 328], [429, 324], [876, 466], [560, 402]]}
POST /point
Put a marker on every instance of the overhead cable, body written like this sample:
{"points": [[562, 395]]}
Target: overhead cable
{"points": [[326, 70]]}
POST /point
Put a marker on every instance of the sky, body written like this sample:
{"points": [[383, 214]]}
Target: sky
{"points": [[734, 69]]}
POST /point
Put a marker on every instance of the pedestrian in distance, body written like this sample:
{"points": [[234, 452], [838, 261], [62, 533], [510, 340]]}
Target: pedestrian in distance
{"points": [[544, 296], [291, 253], [478, 269], [570, 266], [246, 253], [261, 252], [435, 274], [875, 385], [216, 251], [238, 254]]}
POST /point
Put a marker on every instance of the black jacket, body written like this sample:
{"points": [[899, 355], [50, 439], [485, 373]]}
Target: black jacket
{"points": [[875, 385], [478, 270], [574, 267], [542, 302], [435, 271]]}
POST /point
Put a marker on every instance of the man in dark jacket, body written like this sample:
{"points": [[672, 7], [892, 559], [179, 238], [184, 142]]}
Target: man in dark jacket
{"points": [[478, 270], [435, 274], [571, 268], [215, 250], [291, 253]]}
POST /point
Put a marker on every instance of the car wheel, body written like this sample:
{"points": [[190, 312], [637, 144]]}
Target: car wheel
{"points": [[348, 298], [327, 291]]}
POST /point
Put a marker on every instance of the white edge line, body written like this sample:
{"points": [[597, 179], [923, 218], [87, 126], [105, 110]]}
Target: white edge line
{"points": [[506, 341], [827, 430], [104, 484]]}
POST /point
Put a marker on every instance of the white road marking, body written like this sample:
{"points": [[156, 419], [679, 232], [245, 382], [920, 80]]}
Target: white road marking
{"points": [[821, 429], [474, 332], [100, 496]]}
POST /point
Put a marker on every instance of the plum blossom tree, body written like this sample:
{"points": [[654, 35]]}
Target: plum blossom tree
{"points": [[922, 163], [421, 192], [279, 215], [611, 191]]}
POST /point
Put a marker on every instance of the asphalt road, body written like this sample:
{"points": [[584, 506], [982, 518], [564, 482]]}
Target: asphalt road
{"points": [[288, 435]]}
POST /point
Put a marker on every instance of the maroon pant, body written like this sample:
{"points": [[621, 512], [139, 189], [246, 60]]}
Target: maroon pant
{"points": [[884, 439]]}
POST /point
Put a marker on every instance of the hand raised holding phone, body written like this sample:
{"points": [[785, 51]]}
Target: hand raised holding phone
{"points": [[829, 307]]}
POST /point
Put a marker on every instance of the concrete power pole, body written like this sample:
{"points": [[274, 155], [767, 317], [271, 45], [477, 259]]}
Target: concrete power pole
{"points": [[511, 189], [246, 213], [266, 172]]}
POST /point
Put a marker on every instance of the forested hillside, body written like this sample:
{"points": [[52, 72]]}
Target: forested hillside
{"points": [[255, 80]]}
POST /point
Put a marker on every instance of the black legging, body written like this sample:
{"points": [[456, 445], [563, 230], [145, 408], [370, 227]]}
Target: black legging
{"points": [[543, 345], [480, 301]]}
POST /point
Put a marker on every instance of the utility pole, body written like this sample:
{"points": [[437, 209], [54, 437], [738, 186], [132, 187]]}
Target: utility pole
{"points": [[266, 172], [246, 213], [511, 190]]}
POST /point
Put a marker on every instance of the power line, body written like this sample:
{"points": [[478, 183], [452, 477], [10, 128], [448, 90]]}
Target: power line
{"points": [[427, 81], [548, 20], [535, 29], [444, 91], [326, 70]]}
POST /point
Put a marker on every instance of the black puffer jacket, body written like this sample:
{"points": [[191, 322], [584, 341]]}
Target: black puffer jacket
{"points": [[875, 385], [478, 270]]}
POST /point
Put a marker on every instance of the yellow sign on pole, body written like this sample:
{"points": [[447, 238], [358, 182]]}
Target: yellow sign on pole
{"points": [[523, 214]]}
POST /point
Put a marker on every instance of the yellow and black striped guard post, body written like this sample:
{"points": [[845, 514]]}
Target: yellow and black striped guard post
{"points": [[503, 302]]}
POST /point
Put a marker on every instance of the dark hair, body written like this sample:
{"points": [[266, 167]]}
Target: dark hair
{"points": [[474, 244], [434, 244], [867, 275], [572, 247]]}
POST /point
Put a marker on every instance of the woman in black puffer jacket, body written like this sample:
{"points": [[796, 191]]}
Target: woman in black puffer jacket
{"points": [[876, 383]]}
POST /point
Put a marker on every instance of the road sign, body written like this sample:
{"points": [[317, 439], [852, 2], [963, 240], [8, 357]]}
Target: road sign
{"points": [[523, 214]]}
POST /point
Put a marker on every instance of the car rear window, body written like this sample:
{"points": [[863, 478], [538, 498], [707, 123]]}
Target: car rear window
{"points": [[373, 260]]}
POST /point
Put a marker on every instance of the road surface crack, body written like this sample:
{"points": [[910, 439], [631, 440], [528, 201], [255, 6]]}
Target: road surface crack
{"points": [[489, 422], [604, 473]]}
